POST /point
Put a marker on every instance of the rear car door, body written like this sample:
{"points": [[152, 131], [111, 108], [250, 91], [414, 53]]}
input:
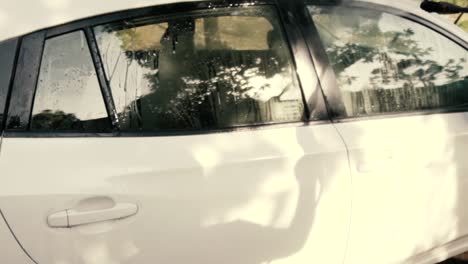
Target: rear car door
{"points": [[173, 134], [401, 107]]}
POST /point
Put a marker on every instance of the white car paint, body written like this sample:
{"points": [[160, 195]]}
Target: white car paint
{"points": [[239, 189], [10, 250], [274, 195], [409, 185]]}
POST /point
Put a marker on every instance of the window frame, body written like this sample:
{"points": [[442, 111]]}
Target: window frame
{"points": [[25, 83], [9, 70], [329, 81], [25, 80], [24, 87]]}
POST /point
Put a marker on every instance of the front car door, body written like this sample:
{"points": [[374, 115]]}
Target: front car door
{"points": [[402, 110], [174, 134]]}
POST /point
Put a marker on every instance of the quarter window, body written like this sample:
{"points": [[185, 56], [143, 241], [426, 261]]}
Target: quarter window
{"points": [[213, 69], [68, 95], [388, 64]]}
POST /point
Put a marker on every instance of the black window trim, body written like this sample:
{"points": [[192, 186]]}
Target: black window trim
{"points": [[3, 122], [23, 88], [320, 62], [295, 41], [169, 133], [310, 85], [329, 82], [103, 83]]}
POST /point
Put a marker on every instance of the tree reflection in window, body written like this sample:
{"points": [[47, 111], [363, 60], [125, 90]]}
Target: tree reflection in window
{"points": [[55, 120], [387, 64], [231, 68]]}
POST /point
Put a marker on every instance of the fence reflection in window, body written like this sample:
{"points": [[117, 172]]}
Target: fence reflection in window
{"points": [[387, 64]]}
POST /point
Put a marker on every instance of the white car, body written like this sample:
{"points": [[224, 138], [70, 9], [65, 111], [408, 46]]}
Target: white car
{"points": [[285, 132]]}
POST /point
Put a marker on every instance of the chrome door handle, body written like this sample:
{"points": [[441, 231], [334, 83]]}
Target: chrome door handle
{"points": [[72, 218]]}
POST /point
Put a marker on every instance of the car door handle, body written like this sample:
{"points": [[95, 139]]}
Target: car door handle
{"points": [[72, 218]]}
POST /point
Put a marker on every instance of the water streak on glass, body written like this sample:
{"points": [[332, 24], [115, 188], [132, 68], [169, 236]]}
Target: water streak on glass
{"points": [[223, 68], [68, 95]]}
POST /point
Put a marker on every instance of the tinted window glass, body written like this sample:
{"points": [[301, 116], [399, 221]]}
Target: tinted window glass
{"points": [[217, 69], [230, 32], [387, 64], [7, 58], [68, 95]]}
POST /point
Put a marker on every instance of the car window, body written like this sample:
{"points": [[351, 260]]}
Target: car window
{"points": [[388, 64], [212, 69], [68, 95], [230, 32], [7, 58]]}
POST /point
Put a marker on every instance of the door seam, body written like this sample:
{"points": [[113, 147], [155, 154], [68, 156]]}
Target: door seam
{"points": [[17, 240], [352, 192]]}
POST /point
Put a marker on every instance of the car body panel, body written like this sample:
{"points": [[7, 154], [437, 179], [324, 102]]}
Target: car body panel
{"points": [[275, 194], [409, 177], [279, 195], [10, 251]]}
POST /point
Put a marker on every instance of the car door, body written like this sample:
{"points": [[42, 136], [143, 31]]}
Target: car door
{"points": [[402, 111], [173, 134]]}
